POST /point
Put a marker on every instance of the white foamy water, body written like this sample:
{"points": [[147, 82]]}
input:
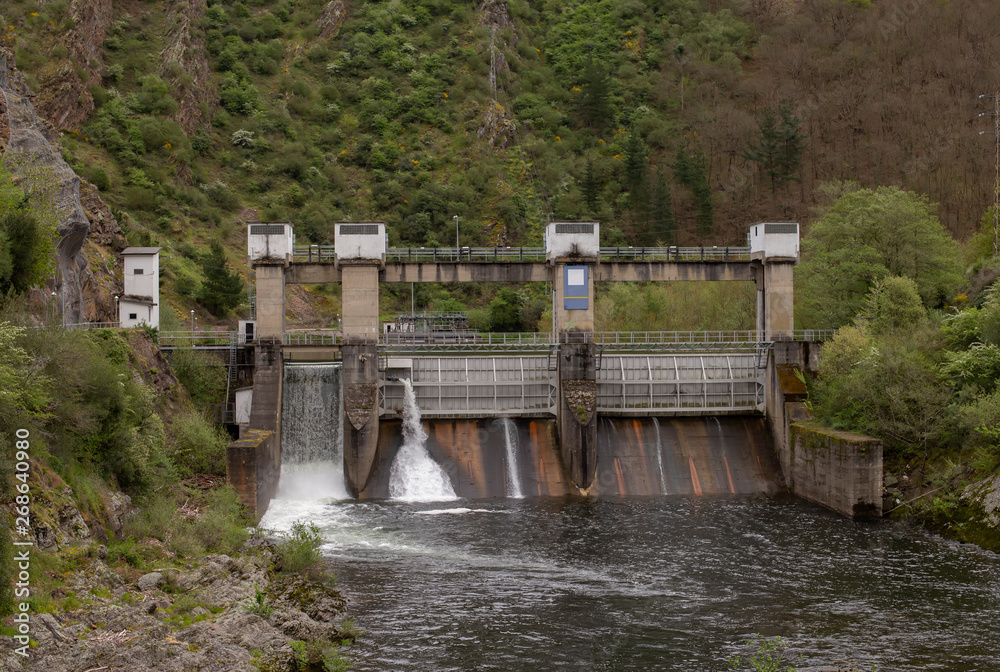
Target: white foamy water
{"points": [[659, 457], [513, 476], [312, 438], [414, 476]]}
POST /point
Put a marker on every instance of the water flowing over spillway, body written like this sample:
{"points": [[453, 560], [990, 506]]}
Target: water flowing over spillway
{"points": [[513, 475], [312, 438], [414, 476]]}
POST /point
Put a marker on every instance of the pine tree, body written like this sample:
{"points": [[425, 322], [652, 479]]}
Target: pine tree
{"points": [[662, 226], [591, 187], [766, 150], [636, 158], [223, 289], [682, 167], [595, 101], [779, 146], [691, 170], [792, 143]]}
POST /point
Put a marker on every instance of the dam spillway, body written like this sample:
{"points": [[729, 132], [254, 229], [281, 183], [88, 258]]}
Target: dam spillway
{"points": [[710, 455], [312, 439]]}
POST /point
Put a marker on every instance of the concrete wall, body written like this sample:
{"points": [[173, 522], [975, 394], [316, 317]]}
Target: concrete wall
{"points": [[838, 470], [774, 240], [270, 279], [272, 241], [359, 240], [779, 300], [253, 465], [360, 300], [572, 239], [674, 271]]}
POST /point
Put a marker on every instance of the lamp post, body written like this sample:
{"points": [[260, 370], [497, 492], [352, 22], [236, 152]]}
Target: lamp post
{"points": [[458, 250], [192, 321], [115, 318], [53, 305]]}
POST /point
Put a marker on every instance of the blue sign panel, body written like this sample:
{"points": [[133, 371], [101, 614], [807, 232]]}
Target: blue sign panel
{"points": [[576, 295]]}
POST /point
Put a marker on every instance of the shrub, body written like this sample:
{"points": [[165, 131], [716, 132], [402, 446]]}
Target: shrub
{"points": [[198, 446], [299, 552], [201, 374]]}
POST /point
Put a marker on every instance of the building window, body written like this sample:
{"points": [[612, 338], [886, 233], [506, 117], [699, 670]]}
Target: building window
{"points": [[133, 316], [137, 271]]}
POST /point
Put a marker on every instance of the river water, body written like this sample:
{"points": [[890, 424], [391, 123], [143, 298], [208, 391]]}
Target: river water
{"points": [[672, 583], [646, 583]]}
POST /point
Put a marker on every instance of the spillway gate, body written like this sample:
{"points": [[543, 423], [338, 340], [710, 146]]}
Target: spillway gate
{"points": [[510, 385]]}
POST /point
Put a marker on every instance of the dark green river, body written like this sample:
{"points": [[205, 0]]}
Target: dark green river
{"points": [[667, 583]]}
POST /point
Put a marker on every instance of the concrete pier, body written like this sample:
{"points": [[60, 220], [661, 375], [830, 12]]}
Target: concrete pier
{"points": [[360, 380], [576, 414]]}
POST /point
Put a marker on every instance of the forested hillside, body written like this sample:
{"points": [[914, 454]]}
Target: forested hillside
{"points": [[677, 121]]}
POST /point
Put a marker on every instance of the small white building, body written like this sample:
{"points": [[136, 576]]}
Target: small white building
{"points": [[572, 239], [774, 240], [270, 241], [140, 301], [359, 240]]}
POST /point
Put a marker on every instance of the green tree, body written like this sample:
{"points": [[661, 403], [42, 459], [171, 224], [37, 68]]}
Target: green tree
{"points": [[636, 158], [778, 147], [866, 235], [23, 247], [506, 312], [223, 289], [591, 186], [691, 171], [18, 250], [595, 97], [662, 226], [893, 303]]}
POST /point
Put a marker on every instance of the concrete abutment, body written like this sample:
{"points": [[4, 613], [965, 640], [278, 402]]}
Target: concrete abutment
{"points": [[840, 471]]}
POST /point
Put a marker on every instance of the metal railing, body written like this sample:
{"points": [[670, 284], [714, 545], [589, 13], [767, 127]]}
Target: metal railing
{"points": [[675, 253], [327, 254], [609, 339], [190, 339], [93, 325]]}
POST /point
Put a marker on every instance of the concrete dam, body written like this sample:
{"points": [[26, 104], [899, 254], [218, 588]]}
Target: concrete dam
{"points": [[569, 413], [518, 457]]}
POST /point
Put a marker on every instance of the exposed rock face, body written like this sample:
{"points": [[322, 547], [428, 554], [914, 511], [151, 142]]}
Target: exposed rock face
{"points": [[185, 56], [64, 98], [330, 20], [226, 634], [987, 495], [497, 126], [33, 157]]}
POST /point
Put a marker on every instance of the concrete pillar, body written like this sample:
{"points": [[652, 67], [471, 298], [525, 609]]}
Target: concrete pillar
{"points": [[359, 282], [580, 314], [576, 413], [360, 379], [254, 466], [270, 279], [779, 302], [775, 300]]}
